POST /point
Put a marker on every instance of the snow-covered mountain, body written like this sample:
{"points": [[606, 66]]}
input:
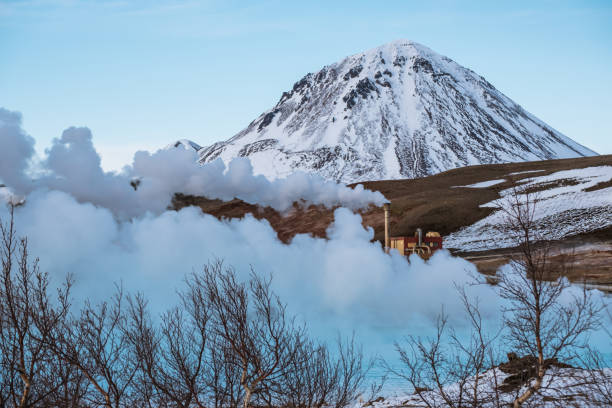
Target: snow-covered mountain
{"points": [[185, 144], [396, 111]]}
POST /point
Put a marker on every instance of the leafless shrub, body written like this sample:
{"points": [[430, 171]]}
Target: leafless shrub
{"points": [[29, 373], [173, 356], [449, 371], [231, 344], [353, 370], [226, 344], [599, 366], [311, 378], [225, 389], [320, 378], [539, 322], [545, 329], [252, 322], [597, 378], [95, 343]]}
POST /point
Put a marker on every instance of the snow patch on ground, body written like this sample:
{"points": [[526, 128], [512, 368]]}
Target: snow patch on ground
{"points": [[564, 208], [525, 172], [561, 385], [483, 184]]}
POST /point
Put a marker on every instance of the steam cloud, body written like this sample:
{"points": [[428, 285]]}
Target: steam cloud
{"points": [[92, 224], [72, 165], [342, 283], [16, 148], [82, 220]]}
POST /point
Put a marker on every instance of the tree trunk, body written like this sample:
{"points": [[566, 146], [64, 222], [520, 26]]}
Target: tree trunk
{"points": [[26, 391], [247, 397], [529, 393]]}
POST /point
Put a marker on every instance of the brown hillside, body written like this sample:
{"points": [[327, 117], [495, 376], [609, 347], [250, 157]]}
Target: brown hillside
{"points": [[435, 203], [432, 203]]}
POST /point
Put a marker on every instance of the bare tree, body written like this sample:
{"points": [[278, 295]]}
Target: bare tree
{"points": [[226, 344], [539, 323], [96, 344], [29, 373], [352, 370], [252, 322], [320, 378], [599, 370], [73, 386], [310, 380], [173, 358], [545, 329], [597, 378], [224, 385], [448, 370]]}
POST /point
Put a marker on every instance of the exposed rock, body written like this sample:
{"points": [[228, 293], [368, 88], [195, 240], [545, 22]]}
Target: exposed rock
{"points": [[363, 89], [422, 65], [523, 370], [399, 61], [267, 119], [353, 72]]}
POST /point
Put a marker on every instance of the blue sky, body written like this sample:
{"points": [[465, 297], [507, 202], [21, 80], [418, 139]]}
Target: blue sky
{"points": [[143, 73]]}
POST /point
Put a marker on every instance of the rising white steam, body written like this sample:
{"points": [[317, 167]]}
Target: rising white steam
{"points": [[82, 220], [72, 165], [16, 149], [346, 275], [345, 282]]}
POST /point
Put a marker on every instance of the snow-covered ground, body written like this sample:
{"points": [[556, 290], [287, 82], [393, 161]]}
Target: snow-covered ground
{"points": [[562, 387], [564, 208]]}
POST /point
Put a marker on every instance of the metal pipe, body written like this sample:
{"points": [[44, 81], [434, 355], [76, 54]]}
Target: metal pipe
{"points": [[387, 207], [419, 236]]}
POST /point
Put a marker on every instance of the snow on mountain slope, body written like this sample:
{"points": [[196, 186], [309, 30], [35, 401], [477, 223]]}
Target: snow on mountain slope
{"points": [[396, 111], [185, 144], [569, 202]]}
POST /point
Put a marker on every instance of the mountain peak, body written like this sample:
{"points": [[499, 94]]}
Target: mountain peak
{"points": [[396, 111], [402, 45], [185, 144]]}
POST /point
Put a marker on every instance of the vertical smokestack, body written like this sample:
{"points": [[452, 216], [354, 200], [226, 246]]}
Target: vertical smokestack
{"points": [[387, 207], [419, 236]]}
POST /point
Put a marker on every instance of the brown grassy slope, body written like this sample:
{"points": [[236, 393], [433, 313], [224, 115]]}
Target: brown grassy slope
{"points": [[433, 203], [312, 220], [436, 203]]}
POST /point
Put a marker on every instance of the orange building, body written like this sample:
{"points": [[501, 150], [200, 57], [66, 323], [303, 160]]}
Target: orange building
{"points": [[417, 244]]}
